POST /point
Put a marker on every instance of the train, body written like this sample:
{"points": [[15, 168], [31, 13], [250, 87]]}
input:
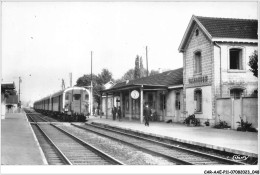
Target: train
{"points": [[68, 104]]}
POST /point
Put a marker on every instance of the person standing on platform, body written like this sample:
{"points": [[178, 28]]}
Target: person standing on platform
{"points": [[147, 114], [119, 113], [114, 111]]}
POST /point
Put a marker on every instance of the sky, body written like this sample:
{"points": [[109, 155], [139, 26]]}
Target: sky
{"points": [[42, 42]]}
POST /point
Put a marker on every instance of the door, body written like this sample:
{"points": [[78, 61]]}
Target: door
{"points": [[163, 105], [177, 106]]}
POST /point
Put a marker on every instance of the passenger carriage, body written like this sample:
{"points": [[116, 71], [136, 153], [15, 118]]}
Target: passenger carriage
{"points": [[71, 101]]}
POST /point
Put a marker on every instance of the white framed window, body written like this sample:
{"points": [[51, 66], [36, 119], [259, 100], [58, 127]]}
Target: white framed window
{"points": [[197, 32], [235, 59], [198, 100], [197, 63]]}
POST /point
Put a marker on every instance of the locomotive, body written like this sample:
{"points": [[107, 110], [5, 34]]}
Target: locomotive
{"points": [[71, 104]]}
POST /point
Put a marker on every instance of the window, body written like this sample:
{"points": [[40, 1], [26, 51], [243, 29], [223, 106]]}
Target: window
{"points": [[198, 99], [127, 103], [67, 97], [151, 103], [236, 93], [177, 101], [235, 59], [162, 101], [197, 32], [197, 63], [76, 96], [86, 96]]}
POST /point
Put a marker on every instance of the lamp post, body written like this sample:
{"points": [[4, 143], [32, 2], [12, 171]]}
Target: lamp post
{"points": [[19, 94]]}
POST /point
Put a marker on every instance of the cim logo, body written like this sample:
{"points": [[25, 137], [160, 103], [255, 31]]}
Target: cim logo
{"points": [[240, 157]]}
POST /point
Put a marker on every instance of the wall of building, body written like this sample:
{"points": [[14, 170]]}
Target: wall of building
{"points": [[108, 111], [250, 110], [198, 43], [203, 44], [3, 108], [206, 103], [232, 110], [224, 110], [230, 78], [171, 112]]}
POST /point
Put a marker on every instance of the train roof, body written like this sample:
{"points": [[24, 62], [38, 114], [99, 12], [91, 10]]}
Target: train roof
{"points": [[60, 92]]}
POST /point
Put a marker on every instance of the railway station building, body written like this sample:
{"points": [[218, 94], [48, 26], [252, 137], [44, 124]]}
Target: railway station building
{"points": [[217, 81], [9, 99], [163, 92]]}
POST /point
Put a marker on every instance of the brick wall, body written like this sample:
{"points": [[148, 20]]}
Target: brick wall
{"points": [[203, 44], [198, 43]]}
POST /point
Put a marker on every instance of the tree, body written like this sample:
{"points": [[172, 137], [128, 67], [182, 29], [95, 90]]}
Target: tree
{"points": [[129, 75], [98, 82], [137, 68], [104, 77], [253, 63]]}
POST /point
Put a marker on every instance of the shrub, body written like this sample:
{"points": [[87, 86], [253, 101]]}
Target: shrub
{"points": [[221, 125], [192, 120], [245, 126]]}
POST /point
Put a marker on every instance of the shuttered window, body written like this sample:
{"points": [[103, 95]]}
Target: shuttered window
{"points": [[197, 68], [198, 100]]}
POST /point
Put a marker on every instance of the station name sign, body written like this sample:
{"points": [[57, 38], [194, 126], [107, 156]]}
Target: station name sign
{"points": [[201, 79]]}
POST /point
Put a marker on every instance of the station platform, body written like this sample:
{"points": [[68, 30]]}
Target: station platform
{"points": [[237, 142], [18, 142]]}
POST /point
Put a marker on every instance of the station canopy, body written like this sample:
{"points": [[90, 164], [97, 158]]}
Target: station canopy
{"points": [[158, 81]]}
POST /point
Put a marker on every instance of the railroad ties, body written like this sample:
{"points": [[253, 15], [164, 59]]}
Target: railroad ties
{"points": [[70, 144], [61, 148], [182, 156]]}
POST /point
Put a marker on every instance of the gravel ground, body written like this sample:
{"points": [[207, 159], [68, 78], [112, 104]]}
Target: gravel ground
{"points": [[120, 151]]}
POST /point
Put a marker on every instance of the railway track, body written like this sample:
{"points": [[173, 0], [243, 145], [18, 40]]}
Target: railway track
{"points": [[182, 156], [36, 117], [74, 150], [52, 153]]}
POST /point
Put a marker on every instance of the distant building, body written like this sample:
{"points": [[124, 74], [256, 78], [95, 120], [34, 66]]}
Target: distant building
{"points": [[9, 98], [109, 84], [215, 56]]}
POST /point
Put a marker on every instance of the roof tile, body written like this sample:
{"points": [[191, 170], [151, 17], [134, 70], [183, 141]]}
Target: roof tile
{"points": [[168, 78], [230, 27]]}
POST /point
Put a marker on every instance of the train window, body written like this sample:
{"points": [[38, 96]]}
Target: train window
{"points": [[76, 96], [67, 97], [86, 97]]}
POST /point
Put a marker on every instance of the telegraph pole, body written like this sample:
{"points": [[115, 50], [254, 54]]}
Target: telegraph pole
{"points": [[91, 89], [147, 60], [71, 79]]}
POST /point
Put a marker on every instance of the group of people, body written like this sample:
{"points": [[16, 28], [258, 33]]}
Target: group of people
{"points": [[116, 112]]}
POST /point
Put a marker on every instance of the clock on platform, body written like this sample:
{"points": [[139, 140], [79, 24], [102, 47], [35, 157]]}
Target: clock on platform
{"points": [[135, 94]]}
